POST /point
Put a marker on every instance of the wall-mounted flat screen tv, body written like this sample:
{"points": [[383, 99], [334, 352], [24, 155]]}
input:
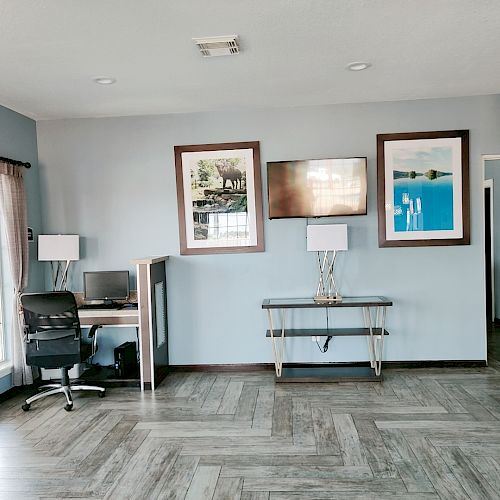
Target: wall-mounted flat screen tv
{"points": [[317, 188]]}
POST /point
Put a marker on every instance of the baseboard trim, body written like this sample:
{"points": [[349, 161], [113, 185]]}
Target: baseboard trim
{"points": [[16, 390], [250, 367], [254, 367]]}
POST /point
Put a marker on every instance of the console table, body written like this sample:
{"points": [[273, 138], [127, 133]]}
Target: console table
{"points": [[374, 314]]}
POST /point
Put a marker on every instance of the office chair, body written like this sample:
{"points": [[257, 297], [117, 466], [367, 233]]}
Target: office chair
{"points": [[53, 340]]}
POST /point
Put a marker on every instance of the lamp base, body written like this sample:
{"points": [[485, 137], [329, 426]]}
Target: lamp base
{"points": [[328, 299]]}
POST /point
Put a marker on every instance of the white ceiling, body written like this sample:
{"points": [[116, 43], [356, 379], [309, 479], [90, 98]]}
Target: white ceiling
{"points": [[294, 52]]}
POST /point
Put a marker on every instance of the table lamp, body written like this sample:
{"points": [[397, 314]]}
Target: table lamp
{"points": [[327, 240], [62, 249]]}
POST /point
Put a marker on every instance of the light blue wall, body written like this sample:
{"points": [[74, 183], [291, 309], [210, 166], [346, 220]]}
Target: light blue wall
{"points": [[112, 181], [492, 171], [18, 141]]}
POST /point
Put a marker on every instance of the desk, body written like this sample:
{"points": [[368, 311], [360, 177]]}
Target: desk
{"points": [[150, 318], [121, 318], [374, 313], [108, 317]]}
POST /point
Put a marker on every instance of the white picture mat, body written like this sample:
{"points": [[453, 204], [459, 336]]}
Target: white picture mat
{"points": [[189, 160], [455, 143]]}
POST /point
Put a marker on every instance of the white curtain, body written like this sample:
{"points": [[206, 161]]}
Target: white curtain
{"points": [[14, 212]]}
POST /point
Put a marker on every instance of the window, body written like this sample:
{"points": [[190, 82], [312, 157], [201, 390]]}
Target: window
{"points": [[6, 295], [2, 324]]}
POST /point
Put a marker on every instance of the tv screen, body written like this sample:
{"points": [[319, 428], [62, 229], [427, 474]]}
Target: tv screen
{"points": [[317, 188]]}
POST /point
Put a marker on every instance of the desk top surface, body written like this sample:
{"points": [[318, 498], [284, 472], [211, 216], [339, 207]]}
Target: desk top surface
{"points": [[105, 313], [310, 303]]}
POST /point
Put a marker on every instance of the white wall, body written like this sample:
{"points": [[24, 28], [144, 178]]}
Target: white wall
{"points": [[112, 181]]}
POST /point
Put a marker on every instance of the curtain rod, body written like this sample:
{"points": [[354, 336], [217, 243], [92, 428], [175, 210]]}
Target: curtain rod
{"points": [[16, 162]]}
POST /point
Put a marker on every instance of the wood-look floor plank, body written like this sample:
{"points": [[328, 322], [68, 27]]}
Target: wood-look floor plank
{"points": [[324, 432], [254, 495], [485, 400], [346, 495], [436, 469], [489, 468], [221, 449], [263, 414], [204, 482], [216, 393], [347, 435], [201, 390], [246, 404], [142, 474], [467, 475], [332, 485], [186, 388], [103, 477], [230, 399], [376, 453], [272, 460], [474, 409], [297, 471], [90, 439], [282, 417], [445, 398], [89, 466], [176, 480], [409, 468], [228, 488], [302, 425]]}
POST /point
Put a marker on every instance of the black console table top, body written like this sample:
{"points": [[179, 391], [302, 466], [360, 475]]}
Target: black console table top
{"points": [[310, 303]]}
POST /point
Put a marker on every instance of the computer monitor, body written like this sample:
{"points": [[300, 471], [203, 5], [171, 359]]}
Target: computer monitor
{"points": [[106, 285]]}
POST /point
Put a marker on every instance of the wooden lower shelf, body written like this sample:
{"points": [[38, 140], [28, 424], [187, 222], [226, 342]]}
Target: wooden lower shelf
{"points": [[329, 374], [326, 332]]}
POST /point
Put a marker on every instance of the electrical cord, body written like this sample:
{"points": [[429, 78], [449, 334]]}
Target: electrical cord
{"points": [[327, 341]]}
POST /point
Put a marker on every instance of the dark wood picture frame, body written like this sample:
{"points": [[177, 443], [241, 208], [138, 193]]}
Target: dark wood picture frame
{"points": [[382, 139], [185, 249]]}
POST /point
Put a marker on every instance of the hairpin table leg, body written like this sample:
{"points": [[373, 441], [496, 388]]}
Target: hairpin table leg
{"points": [[375, 340], [278, 342]]}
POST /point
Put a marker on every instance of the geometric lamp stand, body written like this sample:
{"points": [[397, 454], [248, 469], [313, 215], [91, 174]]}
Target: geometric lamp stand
{"points": [[327, 290], [327, 240]]}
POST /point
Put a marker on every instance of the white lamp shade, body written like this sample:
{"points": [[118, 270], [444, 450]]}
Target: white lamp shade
{"points": [[324, 237], [58, 247]]}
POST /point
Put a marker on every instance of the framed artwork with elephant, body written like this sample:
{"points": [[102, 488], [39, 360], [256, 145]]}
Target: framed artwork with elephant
{"points": [[219, 198]]}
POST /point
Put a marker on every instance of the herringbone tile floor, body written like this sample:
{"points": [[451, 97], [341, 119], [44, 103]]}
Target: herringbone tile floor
{"points": [[421, 434]]}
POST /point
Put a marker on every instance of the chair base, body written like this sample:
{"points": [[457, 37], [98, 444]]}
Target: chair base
{"points": [[64, 387]]}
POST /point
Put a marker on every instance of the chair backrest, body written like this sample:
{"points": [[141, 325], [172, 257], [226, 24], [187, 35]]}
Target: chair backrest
{"points": [[52, 329], [50, 315]]}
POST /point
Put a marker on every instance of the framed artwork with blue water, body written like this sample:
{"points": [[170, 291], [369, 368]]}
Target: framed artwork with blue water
{"points": [[423, 188]]}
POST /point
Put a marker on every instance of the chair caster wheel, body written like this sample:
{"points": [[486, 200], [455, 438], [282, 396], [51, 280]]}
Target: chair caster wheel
{"points": [[68, 407], [101, 394], [26, 406]]}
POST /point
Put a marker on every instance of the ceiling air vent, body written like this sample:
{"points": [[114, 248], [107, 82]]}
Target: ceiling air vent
{"points": [[218, 45]]}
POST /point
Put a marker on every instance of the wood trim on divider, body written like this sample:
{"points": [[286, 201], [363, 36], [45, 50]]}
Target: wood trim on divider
{"points": [[381, 138]]}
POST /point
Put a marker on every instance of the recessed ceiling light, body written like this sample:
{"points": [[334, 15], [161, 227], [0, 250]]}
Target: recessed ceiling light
{"points": [[358, 66], [105, 80]]}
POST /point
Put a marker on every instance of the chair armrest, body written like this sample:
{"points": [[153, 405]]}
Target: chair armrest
{"points": [[93, 330], [93, 336]]}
